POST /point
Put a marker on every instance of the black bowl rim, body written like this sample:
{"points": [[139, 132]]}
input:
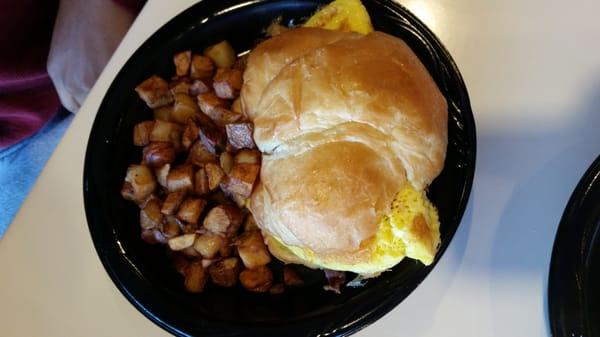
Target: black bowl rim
{"points": [[568, 268], [377, 312]]}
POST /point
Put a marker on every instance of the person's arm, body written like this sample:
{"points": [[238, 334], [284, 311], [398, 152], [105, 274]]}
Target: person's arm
{"points": [[86, 33]]}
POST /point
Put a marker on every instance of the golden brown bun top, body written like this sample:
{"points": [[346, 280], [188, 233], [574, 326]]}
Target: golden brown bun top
{"points": [[342, 127]]}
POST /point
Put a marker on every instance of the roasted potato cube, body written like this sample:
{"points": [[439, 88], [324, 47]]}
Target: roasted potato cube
{"points": [[184, 109], [141, 133], [170, 226], [247, 156], [157, 154], [239, 135], [208, 244], [241, 62], [150, 215], [162, 173], [195, 277], [215, 175], [277, 289], [291, 277], [227, 83], [202, 67], [221, 116], [180, 263], [212, 138], [226, 248], [180, 178], [182, 62], [172, 202], [155, 92], [191, 252], [139, 183], [250, 224], [207, 263], [163, 113], [225, 272], [189, 228], [180, 87], [190, 210], [208, 101], [252, 249], [226, 161], [224, 219], [190, 134], [222, 54], [236, 106], [201, 182], [152, 236], [199, 155], [182, 242], [166, 132], [198, 87], [241, 179], [258, 279]]}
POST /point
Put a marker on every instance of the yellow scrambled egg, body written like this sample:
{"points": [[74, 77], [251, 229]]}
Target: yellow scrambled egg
{"points": [[343, 15], [411, 229]]}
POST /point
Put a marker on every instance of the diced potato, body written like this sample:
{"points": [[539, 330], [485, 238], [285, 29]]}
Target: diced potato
{"points": [[155, 92], [180, 178], [157, 154], [201, 182], [195, 277], [139, 183], [226, 248], [291, 277], [241, 62], [236, 106], [222, 54], [141, 133], [150, 215], [212, 138], [190, 134], [198, 87], [190, 210], [180, 263], [227, 83], [241, 179], [182, 242], [191, 252], [222, 116], [250, 224], [162, 173], [180, 87], [225, 272], [189, 228], [199, 155], [223, 219], [247, 156], [258, 279], [207, 263], [153, 236], [252, 249], [170, 226], [208, 101], [172, 202], [163, 113], [277, 289], [239, 135], [215, 175], [208, 245], [182, 62], [184, 109], [164, 131], [202, 67], [226, 161]]}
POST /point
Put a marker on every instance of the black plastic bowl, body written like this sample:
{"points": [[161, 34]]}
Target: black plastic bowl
{"points": [[143, 273]]}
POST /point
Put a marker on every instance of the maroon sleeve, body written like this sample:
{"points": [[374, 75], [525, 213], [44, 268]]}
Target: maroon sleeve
{"points": [[134, 6], [27, 97]]}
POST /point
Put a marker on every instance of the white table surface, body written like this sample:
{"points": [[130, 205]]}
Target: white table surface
{"points": [[532, 68]]}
